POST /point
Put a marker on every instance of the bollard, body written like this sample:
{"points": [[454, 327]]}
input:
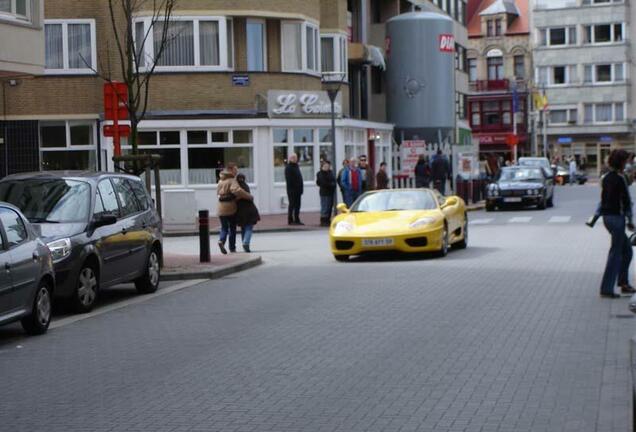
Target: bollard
{"points": [[204, 236]]}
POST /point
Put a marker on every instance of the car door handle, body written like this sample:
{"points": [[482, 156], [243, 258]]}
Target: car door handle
{"points": [[124, 231], [36, 256], [7, 266]]}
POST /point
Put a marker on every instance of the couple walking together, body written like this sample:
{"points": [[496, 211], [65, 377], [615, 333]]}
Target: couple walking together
{"points": [[235, 208]]}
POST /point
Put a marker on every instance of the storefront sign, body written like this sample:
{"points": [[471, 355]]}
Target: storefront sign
{"points": [[297, 104], [606, 139], [564, 140], [410, 153], [447, 43], [240, 80]]}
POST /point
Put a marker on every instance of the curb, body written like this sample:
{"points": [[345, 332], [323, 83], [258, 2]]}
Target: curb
{"points": [[216, 273]]}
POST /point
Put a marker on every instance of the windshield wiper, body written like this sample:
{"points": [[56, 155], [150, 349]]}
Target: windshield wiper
{"points": [[43, 220]]}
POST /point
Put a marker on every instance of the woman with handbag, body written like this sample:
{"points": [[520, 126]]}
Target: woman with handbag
{"points": [[229, 191], [616, 209], [246, 215]]}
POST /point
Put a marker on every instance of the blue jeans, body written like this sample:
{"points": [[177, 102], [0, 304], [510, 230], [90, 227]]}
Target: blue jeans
{"points": [[326, 206], [246, 234], [620, 254], [228, 227], [350, 197]]}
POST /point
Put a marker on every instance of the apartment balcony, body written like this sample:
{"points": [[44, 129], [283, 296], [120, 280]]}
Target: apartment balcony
{"points": [[499, 85]]}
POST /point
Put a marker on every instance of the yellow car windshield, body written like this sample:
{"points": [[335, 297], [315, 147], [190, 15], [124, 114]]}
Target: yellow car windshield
{"points": [[395, 201]]}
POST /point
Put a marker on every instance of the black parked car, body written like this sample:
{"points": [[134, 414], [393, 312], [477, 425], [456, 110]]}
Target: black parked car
{"points": [[27, 281], [521, 185], [101, 228]]}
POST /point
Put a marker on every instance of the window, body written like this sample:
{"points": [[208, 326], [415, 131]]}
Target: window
{"points": [[109, 203], [557, 36], [495, 68], [472, 70], [558, 75], [604, 73], [206, 160], [603, 33], [604, 113], [256, 46], [166, 144], [562, 116], [199, 43], [142, 196], [460, 105], [15, 8], [14, 227], [498, 27], [127, 199], [68, 145], [520, 66], [460, 58], [300, 47], [490, 28], [70, 46], [333, 53]]}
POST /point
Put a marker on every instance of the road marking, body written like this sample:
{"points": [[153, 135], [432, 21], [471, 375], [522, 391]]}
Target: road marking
{"points": [[135, 300], [484, 221], [560, 219], [520, 219]]}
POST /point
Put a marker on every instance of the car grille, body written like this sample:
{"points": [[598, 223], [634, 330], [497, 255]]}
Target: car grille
{"points": [[417, 242], [513, 193], [344, 245]]}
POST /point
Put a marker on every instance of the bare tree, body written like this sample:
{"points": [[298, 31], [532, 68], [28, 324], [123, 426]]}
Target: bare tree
{"points": [[135, 25]]}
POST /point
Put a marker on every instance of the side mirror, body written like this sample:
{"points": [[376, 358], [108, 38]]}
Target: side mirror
{"points": [[104, 220], [342, 208], [450, 201]]}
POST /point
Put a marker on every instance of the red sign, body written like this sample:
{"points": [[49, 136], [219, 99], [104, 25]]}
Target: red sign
{"points": [[447, 43], [512, 140], [109, 130], [115, 101]]}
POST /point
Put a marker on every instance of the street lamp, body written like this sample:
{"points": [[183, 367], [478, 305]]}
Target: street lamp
{"points": [[331, 82]]}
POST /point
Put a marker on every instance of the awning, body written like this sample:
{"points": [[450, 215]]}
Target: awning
{"points": [[366, 54]]}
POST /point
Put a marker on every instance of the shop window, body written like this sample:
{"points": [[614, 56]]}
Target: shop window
{"points": [[197, 137], [166, 144], [69, 46], [242, 136], [68, 145], [220, 136], [169, 138], [280, 159], [280, 136]]}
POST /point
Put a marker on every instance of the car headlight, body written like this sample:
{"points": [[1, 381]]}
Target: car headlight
{"points": [[60, 249], [493, 192], [342, 227], [421, 222]]}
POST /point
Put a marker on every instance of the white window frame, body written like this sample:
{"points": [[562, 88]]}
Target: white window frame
{"points": [[65, 56], [224, 49], [340, 53], [13, 15], [69, 147], [600, 3], [550, 76], [612, 121], [613, 79], [304, 25], [548, 31], [568, 109], [612, 34], [264, 47]]}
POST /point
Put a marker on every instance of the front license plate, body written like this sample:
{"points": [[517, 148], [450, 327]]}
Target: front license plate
{"points": [[515, 199], [377, 242]]}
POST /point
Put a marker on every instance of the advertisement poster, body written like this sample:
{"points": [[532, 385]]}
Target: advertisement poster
{"points": [[410, 152]]}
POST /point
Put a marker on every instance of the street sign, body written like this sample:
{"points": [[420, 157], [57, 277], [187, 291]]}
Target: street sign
{"points": [[240, 80], [115, 101]]}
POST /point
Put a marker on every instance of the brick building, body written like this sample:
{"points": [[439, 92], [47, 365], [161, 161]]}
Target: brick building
{"points": [[499, 67], [216, 97]]}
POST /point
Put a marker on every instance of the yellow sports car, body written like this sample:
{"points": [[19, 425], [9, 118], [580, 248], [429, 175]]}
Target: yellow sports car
{"points": [[405, 220]]}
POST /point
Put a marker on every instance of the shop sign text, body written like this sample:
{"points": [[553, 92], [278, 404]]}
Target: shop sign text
{"points": [[302, 104]]}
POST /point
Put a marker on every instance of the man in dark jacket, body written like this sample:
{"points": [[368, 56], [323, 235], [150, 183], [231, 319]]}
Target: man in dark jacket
{"points": [[382, 178], [440, 168], [422, 173], [326, 181], [295, 189], [368, 176]]}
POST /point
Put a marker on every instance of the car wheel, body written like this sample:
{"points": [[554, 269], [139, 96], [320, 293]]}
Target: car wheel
{"points": [[149, 282], [37, 322], [490, 207], [463, 243], [341, 258], [551, 201], [87, 289], [444, 250]]}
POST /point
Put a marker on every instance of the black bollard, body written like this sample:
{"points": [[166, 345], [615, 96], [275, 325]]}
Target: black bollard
{"points": [[204, 236]]}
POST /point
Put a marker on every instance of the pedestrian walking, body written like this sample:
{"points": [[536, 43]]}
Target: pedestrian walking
{"points": [[572, 169], [345, 165], [367, 174], [326, 181], [246, 214], [422, 172], [228, 192], [440, 169], [382, 178], [295, 189], [616, 209], [352, 183]]}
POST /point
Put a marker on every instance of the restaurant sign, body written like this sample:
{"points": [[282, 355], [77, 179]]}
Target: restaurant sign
{"points": [[301, 104]]}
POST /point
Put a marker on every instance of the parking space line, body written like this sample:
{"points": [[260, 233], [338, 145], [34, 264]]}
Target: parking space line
{"points": [[134, 300], [520, 219], [560, 219], [484, 221]]}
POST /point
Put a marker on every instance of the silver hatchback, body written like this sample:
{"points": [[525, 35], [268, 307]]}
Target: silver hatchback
{"points": [[27, 280]]}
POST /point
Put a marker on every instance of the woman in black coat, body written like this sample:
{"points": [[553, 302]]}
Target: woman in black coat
{"points": [[246, 215]]}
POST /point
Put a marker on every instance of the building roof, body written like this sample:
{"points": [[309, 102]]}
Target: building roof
{"points": [[479, 8]]}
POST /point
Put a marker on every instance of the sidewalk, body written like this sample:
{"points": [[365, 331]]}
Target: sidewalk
{"points": [[183, 267], [278, 223]]}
